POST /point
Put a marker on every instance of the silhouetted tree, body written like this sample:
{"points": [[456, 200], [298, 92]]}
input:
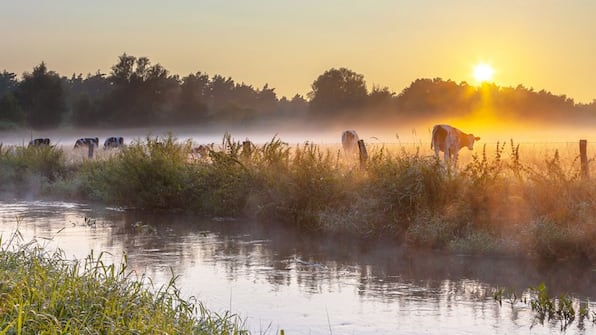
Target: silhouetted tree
{"points": [[337, 91], [140, 92], [11, 114], [295, 108], [41, 96], [436, 97], [8, 82], [192, 100], [86, 97], [220, 92]]}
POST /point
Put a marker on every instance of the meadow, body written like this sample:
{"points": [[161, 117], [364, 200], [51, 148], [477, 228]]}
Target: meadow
{"points": [[505, 199]]}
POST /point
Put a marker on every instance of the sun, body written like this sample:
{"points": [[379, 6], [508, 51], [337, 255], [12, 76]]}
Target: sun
{"points": [[483, 73]]}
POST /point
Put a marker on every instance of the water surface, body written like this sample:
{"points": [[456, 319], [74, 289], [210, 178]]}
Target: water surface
{"points": [[278, 278]]}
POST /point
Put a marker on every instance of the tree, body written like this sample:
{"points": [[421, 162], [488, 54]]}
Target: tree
{"points": [[10, 110], [85, 97], [337, 91], [41, 95], [192, 100], [8, 82], [140, 93]]}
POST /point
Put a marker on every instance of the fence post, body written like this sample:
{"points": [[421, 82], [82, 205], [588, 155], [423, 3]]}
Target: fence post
{"points": [[363, 153], [583, 154], [246, 148], [91, 146]]}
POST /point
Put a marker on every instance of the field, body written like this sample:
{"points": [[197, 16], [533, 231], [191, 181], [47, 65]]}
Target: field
{"points": [[504, 198]]}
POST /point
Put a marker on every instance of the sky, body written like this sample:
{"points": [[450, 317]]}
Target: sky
{"points": [[540, 44]]}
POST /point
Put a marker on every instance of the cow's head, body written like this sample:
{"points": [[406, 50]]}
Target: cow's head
{"points": [[470, 141]]}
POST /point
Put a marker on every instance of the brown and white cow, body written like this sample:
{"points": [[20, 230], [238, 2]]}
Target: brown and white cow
{"points": [[349, 141], [450, 140]]}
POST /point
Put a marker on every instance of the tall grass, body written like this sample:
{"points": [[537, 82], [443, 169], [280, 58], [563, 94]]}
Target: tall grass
{"points": [[30, 169], [496, 203], [43, 293]]}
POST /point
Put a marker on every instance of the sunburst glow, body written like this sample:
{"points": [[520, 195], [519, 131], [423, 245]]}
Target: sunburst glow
{"points": [[483, 72]]}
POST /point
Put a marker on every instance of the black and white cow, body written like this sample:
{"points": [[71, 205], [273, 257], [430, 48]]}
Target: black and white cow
{"points": [[86, 142], [38, 142], [113, 142], [450, 141], [349, 141]]}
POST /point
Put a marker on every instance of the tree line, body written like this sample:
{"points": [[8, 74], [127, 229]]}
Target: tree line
{"points": [[139, 93]]}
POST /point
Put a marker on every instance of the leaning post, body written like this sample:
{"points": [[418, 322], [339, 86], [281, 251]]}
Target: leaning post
{"points": [[583, 154], [363, 154], [91, 146]]}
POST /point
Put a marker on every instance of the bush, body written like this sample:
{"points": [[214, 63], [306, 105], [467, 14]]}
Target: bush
{"points": [[25, 170]]}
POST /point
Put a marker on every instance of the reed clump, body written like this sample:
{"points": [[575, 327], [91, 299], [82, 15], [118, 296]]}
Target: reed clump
{"points": [[44, 293], [495, 203], [30, 169]]}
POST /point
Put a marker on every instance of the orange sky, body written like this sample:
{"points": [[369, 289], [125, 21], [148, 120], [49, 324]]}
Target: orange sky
{"points": [[543, 44]]}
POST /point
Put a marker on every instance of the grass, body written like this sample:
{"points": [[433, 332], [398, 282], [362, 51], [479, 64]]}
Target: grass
{"points": [[43, 293], [495, 203]]}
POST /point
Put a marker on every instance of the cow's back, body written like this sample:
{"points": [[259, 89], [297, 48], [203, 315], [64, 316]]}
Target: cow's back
{"points": [[349, 140], [440, 136]]}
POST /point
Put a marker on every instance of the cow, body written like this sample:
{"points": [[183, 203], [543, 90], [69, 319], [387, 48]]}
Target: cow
{"points": [[349, 141], [113, 142], [201, 150], [450, 140], [38, 142], [86, 142]]}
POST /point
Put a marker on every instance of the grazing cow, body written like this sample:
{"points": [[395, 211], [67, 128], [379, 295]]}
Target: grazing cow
{"points": [[200, 151], [38, 142], [349, 141], [450, 140], [113, 142], [86, 142]]}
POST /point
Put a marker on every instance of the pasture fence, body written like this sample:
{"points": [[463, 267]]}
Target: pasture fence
{"points": [[583, 153]]}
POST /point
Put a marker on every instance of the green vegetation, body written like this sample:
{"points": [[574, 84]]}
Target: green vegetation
{"points": [[43, 293], [546, 308], [29, 169], [495, 204]]}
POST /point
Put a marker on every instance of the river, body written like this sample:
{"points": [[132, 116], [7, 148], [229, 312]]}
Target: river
{"points": [[278, 278]]}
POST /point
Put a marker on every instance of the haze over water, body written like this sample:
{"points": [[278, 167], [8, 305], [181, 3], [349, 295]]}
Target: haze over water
{"points": [[275, 278]]}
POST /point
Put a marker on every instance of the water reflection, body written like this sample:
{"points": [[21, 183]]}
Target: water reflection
{"points": [[304, 283]]}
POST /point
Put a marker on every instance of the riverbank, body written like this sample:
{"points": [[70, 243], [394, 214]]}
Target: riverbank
{"points": [[494, 204], [43, 292]]}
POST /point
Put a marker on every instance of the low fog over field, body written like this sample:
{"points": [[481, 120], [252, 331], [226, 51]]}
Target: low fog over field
{"points": [[412, 133]]}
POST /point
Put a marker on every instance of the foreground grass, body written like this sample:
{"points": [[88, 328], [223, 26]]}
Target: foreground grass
{"points": [[496, 203], [43, 293]]}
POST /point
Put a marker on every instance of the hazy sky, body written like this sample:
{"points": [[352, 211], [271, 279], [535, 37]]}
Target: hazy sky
{"points": [[543, 44]]}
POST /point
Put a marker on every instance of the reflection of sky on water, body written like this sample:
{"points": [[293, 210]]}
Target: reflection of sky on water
{"points": [[304, 283]]}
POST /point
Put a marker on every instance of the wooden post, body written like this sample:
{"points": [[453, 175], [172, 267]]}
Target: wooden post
{"points": [[246, 148], [583, 154], [363, 153], [91, 146]]}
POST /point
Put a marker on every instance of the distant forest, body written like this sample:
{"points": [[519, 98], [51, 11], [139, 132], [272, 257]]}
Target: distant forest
{"points": [[137, 93]]}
